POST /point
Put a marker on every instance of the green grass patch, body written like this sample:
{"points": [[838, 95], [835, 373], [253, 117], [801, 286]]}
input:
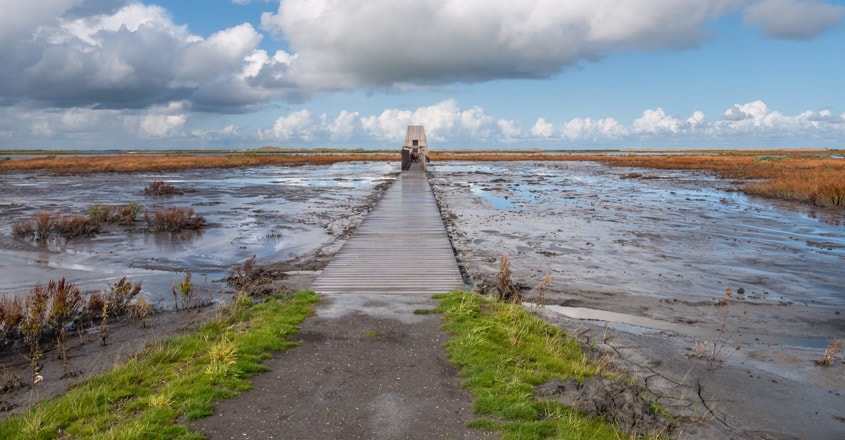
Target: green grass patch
{"points": [[504, 352], [170, 381]]}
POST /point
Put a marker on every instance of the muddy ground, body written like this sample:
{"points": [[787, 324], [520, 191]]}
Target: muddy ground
{"points": [[293, 219], [639, 261]]}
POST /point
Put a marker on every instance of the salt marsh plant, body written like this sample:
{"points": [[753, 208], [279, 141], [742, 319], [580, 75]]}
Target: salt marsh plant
{"points": [[713, 351], [140, 310], [119, 296], [44, 225], [161, 188], [185, 290], [508, 291], [127, 214], [173, 219], [11, 315], [74, 225], [124, 215], [831, 354], [64, 311], [34, 325]]}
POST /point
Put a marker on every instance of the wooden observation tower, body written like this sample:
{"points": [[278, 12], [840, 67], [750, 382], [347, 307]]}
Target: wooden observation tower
{"points": [[415, 149]]}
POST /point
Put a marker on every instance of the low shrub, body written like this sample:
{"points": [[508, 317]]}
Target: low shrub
{"points": [[120, 296], [161, 188], [74, 225], [128, 213], [23, 228], [44, 225], [49, 311], [173, 219], [11, 314], [123, 215], [100, 213]]}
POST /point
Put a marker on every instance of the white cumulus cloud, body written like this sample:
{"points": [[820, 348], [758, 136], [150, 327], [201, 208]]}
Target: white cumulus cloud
{"points": [[387, 43], [163, 121], [656, 121]]}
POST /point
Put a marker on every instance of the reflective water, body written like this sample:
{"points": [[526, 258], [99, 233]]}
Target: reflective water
{"points": [[276, 213]]}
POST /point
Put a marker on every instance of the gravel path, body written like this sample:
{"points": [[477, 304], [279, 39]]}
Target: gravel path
{"points": [[368, 367]]}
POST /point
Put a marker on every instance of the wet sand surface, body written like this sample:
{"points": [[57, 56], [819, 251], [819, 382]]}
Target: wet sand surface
{"points": [[638, 260]]}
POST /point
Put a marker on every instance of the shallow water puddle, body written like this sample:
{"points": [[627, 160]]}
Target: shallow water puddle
{"points": [[588, 314]]}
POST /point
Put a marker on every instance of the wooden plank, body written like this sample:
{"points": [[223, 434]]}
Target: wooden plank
{"points": [[400, 248]]}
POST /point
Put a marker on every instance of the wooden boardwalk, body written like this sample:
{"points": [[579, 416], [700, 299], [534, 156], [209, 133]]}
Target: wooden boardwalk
{"points": [[400, 248]]}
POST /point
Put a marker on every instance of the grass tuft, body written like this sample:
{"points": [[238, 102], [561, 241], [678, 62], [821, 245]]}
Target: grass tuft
{"points": [[170, 381], [504, 352]]}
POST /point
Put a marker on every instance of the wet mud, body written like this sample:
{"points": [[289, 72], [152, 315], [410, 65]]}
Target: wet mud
{"points": [[280, 214], [292, 219], [639, 261]]}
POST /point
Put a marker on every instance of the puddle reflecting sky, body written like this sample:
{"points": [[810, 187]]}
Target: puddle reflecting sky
{"points": [[664, 233]]}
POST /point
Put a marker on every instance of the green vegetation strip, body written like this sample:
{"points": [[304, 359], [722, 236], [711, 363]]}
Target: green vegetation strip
{"points": [[172, 381], [504, 352]]}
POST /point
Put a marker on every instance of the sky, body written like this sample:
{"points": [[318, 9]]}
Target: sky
{"points": [[547, 74]]}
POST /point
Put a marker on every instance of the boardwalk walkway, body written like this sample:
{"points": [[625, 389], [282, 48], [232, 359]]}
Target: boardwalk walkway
{"points": [[400, 248], [369, 366]]}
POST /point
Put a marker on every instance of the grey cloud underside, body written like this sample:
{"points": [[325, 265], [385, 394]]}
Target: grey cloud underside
{"points": [[340, 45]]}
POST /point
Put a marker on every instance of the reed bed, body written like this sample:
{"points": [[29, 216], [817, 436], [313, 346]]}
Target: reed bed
{"points": [[147, 163], [808, 176], [802, 178]]}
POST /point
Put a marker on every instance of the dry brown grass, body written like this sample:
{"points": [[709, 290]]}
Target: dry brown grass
{"points": [[807, 176], [137, 163]]}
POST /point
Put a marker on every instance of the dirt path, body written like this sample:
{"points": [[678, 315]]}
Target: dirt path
{"points": [[368, 367]]}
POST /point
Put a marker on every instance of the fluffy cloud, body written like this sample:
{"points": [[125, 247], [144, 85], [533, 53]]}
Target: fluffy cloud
{"points": [[588, 129], [124, 54], [163, 121], [388, 43], [793, 19], [656, 121], [751, 124], [297, 126], [134, 56], [542, 128], [443, 120]]}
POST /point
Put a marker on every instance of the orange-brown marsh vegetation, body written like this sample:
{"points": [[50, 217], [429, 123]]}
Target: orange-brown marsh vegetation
{"points": [[814, 177], [127, 163]]}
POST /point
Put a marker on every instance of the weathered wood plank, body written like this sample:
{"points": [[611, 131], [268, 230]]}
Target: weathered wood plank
{"points": [[400, 248]]}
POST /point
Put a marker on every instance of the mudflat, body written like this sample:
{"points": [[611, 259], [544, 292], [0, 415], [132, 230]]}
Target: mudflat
{"points": [[639, 261]]}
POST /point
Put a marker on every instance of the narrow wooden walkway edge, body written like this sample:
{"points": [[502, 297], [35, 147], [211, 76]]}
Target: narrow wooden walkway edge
{"points": [[400, 248]]}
